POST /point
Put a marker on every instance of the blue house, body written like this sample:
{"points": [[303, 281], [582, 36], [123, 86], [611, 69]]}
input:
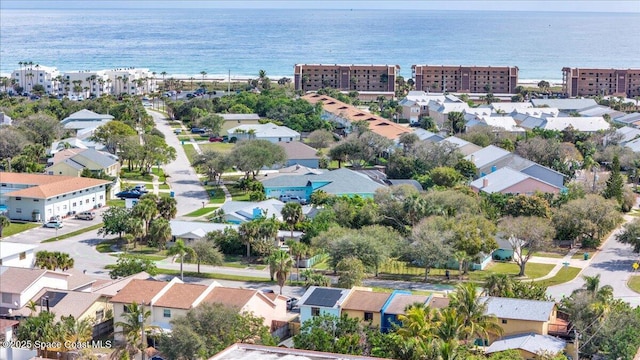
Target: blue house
{"points": [[337, 182], [504, 250], [321, 300], [396, 305]]}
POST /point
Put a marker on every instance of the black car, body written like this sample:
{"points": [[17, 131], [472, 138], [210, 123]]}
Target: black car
{"points": [[129, 194], [198, 131]]}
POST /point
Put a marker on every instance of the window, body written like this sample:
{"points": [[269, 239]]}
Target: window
{"points": [[18, 211], [125, 309], [315, 311], [99, 315], [6, 298], [74, 204], [504, 321], [36, 200], [23, 255], [167, 313], [368, 316], [18, 198]]}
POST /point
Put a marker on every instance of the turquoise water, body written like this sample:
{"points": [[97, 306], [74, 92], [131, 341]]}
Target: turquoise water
{"points": [[186, 42]]}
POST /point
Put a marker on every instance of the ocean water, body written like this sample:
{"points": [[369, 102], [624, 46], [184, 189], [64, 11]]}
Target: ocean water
{"points": [[186, 42]]}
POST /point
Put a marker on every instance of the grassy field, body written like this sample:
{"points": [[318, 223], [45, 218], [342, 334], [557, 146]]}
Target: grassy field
{"points": [[216, 195], [219, 147], [215, 276], [115, 203], [201, 212], [237, 194], [238, 262], [532, 271], [190, 151], [73, 233], [16, 228], [135, 175], [564, 275], [164, 187], [634, 283]]}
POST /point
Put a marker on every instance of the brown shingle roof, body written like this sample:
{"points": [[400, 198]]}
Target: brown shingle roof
{"points": [[16, 280], [237, 298], [439, 302], [47, 186], [401, 301], [4, 323], [73, 303], [298, 150], [139, 291], [377, 124], [366, 301], [181, 296]]}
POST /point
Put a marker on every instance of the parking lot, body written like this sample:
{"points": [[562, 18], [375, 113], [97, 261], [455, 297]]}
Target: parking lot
{"points": [[69, 224]]}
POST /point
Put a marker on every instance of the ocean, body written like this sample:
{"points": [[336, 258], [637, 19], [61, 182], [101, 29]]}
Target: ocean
{"points": [[185, 42]]}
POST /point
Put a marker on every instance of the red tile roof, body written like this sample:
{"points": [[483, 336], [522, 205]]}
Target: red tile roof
{"points": [[139, 291], [47, 186]]}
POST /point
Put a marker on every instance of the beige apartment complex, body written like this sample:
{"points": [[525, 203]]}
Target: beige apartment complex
{"points": [[465, 79], [361, 78], [590, 82]]}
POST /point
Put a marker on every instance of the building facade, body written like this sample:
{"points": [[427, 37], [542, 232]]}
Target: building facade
{"points": [[367, 78], [465, 79], [30, 75], [591, 82]]}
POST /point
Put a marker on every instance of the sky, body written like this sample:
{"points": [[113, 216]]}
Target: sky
{"points": [[624, 6]]}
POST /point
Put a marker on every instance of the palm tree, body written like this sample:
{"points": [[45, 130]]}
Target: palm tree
{"points": [[132, 327], [497, 284], [181, 250], [298, 250], [164, 84], [461, 257], [292, 214], [75, 331], [203, 73], [145, 210], [4, 223], [418, 321], [63, 261], [167, 207], [475, 321], [449, 325], [160, 232], [249, 232], [282, 263]]}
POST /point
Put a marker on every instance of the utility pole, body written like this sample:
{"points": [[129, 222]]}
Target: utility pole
{"points": [[142, 337], [576, 344]]}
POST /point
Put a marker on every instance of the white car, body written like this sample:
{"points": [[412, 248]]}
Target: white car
{"points": [[56, 224]]}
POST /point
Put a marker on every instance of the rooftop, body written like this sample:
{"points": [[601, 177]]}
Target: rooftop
{"points": [[47, 186], [264, 130], [324, 297], [139, 291], [16, 280], [399, 303], [259, 352], [499, 180], [340, 181], [230, 117], [181, 296], [85, 114], [8, 249], [231, 297], [564, 104], [519, 309], [487, 155], [366, 301], [298, 150], [531, 342], [63, 302]]}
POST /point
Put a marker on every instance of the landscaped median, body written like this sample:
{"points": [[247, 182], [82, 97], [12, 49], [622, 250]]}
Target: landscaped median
{"points": [[566, 274], [634, 283], [18, 227]]}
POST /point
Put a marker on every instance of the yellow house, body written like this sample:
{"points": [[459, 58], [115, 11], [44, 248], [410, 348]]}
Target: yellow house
{"points": [[517, 316], [71, 162], [365, 305]]}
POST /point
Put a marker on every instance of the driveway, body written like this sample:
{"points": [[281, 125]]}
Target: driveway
{"points": [[614, 264], [188, 191]]}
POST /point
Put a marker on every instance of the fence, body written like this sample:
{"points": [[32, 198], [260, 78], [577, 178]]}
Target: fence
{"points": [[102, 328]]}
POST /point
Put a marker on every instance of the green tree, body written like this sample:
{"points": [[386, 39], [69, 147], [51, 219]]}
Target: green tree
{"points": [[74, 331], [146, 210], [466, 168], [497, 284], [112, 134], [320, 138], [631, 235], [475, 321], [159, 233], [249, 156], [455, 121], [430, 246], [115, 221], [615, 182], [298, 250], [211, 163], [213, 122], [167, 207], [41, 128], [351, 271], [193, 337], [329, 333], [444, 176], [131, 328], [40, 328], [527, 235], [180, 250], [4, 223], [587, 220], [280, 263], [206, 252], [292, 215], [128, 265]]}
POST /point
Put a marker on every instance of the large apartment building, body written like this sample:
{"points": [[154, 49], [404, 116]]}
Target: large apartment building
{"points": [[29, 75], [465, 79], [590, 82], [361, 78]]}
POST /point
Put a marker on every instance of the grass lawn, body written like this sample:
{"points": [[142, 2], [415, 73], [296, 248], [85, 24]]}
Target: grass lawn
{"points": [[17, 227], [580, 254], [564, 275], [115, 203], [143, 256], [238, 262], [105, 246], [238, 194], [215, 276], [414, 292], [135, 175], [201, 212], [532, 271], [164, 194], [216, 195], [164, 187], [219, 147], [554, 255], [634, 283], [190, 151], [74, 233], [159, 172]]}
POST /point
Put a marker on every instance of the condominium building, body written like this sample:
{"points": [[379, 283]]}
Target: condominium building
{"points": [[30, 75], [465, 79], [590, 82], [366, 78], [132, 81]]}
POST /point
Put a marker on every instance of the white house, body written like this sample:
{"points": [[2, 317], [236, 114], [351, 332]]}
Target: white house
{"points": [[583, 124], [17, 254], [38, 197], [269, 131], [84, 122], [19, 285], [33, 74]]}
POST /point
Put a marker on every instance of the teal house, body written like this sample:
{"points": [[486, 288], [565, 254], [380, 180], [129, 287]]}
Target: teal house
{"points": [[504, 251], [337, 182]]}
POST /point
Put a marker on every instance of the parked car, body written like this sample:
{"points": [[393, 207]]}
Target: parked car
{"points": [[56, 224], [177, 131], [129, 194], [86, 215], [291, 303], [196, 130], [268, 291], [285, 198], [140, 188], [216, 139]]}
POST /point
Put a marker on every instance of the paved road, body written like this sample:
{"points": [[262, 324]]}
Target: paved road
{"points": [[189, 193], [614, 264]]}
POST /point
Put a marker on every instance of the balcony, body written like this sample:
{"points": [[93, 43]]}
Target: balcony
{"points": [[560, 328]]}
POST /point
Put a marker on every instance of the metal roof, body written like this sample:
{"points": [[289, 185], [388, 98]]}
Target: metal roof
{"points": [[519, 309], [531, 342]]}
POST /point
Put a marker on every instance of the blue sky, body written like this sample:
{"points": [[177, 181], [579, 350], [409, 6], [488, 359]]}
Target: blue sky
{"points": [[490, 5]]}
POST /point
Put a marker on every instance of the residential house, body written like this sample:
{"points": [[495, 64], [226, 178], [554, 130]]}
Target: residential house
{"points": [[509, 181], [74, 143], [379, 79], [85, 122], [337, 182], [565, 105], [504, 250], [299, 153], [628, 119], [506, 108], [439, 112], [396, 305], [416, 104], [17, 254], [582, 124], [71, 162], [250, 351], [19, 285], [486, 157], [344, 115], [168, 300], [237, 212], [465, 79], [269, 131], [112, 287], [7, 331], [463, 146], [529, 345], [519, 316], [5, 119], [624, 135], [500, 123], [233, 120], [318, 301], [194, 230], [600, 110], [38, 197], [292, 170], [429, 136], [365, 305]]}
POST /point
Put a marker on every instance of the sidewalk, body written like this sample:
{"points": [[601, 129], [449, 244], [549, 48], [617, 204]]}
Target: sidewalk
{"points": [[560, 263]]}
